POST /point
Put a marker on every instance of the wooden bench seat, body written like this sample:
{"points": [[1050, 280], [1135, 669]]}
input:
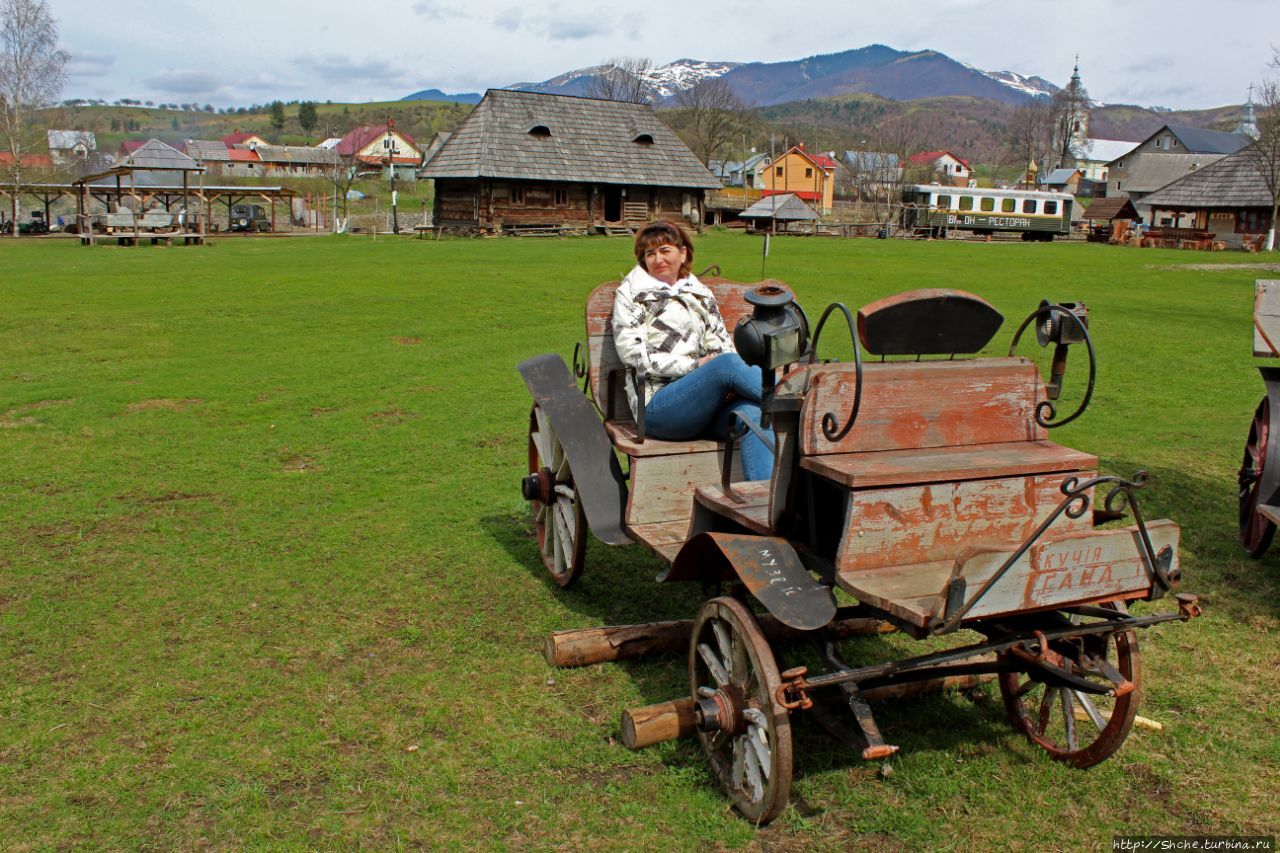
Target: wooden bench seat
{"points": [[624, 438], [752, 513], [946, 464]]}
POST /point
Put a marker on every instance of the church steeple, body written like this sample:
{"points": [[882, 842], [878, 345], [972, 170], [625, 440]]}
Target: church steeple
{"points": [[1070, 140], [1079, 105], [1248, 122]]}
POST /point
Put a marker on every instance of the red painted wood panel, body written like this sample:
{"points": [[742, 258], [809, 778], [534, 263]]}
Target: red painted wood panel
{"points": [[911, 525], [910, 404]]}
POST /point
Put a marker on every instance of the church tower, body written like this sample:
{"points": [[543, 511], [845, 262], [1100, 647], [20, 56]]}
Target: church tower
{"points": [[1248, 122], [1070, 118]]}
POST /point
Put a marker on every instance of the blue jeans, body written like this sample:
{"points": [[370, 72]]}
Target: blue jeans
{"points": [[694, 405]]}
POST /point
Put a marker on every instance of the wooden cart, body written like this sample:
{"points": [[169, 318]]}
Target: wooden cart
{"points": [[1259, 476], [923, 484]]}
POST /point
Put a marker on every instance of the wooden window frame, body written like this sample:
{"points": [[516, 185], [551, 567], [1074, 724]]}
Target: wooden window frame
{"points": [[560, 197], [517, 195]]}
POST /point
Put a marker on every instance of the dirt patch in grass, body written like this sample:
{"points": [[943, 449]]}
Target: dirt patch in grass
{"points": [[161, 403], [20, 416], [390, 417], [298, 462], [167, 497], [408, 340]]}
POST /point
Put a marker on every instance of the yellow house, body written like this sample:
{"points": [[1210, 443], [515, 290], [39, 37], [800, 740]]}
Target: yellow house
{"points": [[811, 177]]}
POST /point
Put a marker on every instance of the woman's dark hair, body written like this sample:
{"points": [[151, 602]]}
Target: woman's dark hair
{"points": [[664, 233]]}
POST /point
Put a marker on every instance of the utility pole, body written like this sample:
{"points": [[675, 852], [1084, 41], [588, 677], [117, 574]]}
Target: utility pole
{"points": [[389, 145]]}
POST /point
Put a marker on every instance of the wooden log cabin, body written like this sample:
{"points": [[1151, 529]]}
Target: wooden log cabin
{"points": [[527, 160]]}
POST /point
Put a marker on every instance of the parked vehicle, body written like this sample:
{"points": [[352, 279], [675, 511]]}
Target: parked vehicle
{"points": [[923, 485], [1037, 216], [249, 217]]}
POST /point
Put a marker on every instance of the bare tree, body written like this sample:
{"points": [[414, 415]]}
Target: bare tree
{"points": [[1029, 133], [1067, 113], [624, 78], [32, 71], [1264, 153], [713, 116], [901, 140]]}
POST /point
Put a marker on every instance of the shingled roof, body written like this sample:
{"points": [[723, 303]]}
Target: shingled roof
{"points": [[1232, 182], [154, 154], [538, 137], [782, 207]]}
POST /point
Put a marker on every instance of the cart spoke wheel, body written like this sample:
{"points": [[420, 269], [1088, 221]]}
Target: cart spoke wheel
{"points": [[1075, 726], [1255, 530], [559, 522], [752, 761]]}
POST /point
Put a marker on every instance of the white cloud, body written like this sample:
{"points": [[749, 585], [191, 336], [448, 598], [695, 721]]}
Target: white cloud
{"points": [[335, 68], [188, 81], [435, 11], [84, 63]]}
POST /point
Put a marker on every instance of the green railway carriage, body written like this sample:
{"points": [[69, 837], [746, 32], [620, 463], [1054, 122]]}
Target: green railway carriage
{"points": [[1035, 215]]}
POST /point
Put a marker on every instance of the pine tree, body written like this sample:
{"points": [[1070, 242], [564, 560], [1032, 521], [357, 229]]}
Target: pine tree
{"points": [[277, 115], [307, 116]]}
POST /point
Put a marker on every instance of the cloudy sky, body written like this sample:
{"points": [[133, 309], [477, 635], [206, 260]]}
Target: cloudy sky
{"points": [[1177, 53]]}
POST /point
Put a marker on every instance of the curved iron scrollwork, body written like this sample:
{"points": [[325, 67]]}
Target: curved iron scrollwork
{"points": [[1075, 503], [1045, 410], [713, 271], [580, 366], [830, 426]]}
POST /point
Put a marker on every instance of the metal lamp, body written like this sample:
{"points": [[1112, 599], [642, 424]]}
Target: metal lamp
{"points": [[777, 332]]}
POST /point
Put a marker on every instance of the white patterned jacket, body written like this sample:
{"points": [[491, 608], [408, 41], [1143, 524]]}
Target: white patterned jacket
{"points": [[662, 330]]}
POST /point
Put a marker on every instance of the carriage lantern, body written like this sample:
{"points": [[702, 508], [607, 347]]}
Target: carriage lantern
{"points": [[777, 332], [1054, 327]]}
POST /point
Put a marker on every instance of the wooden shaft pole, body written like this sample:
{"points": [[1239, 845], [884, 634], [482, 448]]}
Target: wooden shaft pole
{"points": [[665, 721], [583, 646]]}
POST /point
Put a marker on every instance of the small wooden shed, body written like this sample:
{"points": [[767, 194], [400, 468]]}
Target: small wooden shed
{"points": [[773, 211]]}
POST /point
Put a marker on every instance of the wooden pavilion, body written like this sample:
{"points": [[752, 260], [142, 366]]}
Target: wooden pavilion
{"points": [[158, 175]]}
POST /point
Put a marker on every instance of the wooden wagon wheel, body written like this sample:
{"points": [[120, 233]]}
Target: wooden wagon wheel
{"points": [[1074, 726], [1255, 529], [558, 518], [732, 668]]}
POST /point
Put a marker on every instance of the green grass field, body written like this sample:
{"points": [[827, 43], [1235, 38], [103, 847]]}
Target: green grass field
{"points": [[266, 579]]}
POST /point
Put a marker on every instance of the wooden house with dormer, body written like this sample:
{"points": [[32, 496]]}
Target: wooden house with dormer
{"points": [[532, 160]]}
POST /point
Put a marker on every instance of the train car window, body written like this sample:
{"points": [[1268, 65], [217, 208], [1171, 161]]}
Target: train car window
{"points": [[966, 202], [1028, 205], [987, 204], [944, 202], [1008, 205], [1051, 208]]}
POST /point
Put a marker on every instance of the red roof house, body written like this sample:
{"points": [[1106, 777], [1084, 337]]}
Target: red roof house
{"points": [[370, 143]]}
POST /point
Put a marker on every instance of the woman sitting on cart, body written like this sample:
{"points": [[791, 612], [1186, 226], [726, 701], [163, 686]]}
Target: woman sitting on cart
{"points": [[667, 326]]}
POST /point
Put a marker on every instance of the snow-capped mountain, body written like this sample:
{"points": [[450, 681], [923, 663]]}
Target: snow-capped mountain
{"points": [[1037, 86], [873, 70], [674, 77], [667, 80]]}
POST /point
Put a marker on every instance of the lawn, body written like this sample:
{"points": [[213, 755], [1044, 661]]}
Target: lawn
{"points": [[266, 577]]}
